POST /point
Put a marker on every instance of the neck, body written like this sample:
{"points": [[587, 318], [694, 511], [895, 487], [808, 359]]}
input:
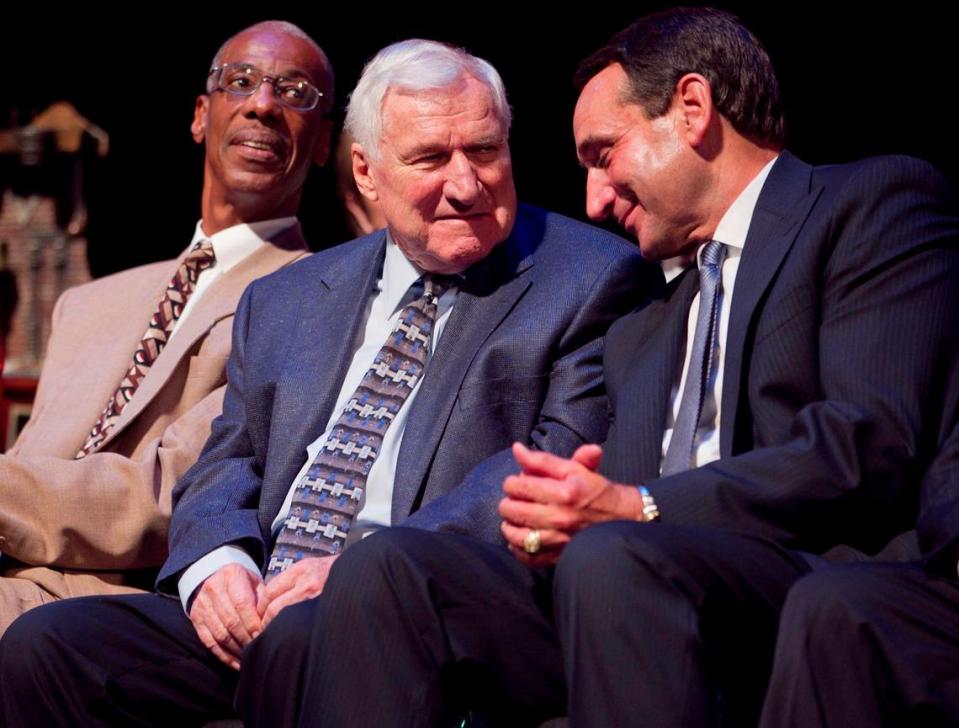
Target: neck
{"points": [[219, 213], [739, 164]]}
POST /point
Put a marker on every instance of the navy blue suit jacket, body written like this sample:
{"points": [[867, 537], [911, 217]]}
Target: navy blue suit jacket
{"points": [[841, 376], [520, 359]]}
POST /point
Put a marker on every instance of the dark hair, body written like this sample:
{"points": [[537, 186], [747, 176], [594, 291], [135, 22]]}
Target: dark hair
{"points": [[657, 50]]}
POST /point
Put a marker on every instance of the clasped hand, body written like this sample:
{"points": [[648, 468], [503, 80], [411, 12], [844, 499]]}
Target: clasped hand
{"points": [[233, 606], [559, 497]]}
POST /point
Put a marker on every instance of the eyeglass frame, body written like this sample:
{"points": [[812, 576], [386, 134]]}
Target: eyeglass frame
{"points": [[212, 86]]}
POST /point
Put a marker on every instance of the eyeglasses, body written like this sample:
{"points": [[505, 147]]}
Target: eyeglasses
{"points": [[242, 79]]}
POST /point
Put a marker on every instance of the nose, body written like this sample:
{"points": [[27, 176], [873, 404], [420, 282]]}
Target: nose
{"points": [[599, 194], [462, 186], [263, 102]]}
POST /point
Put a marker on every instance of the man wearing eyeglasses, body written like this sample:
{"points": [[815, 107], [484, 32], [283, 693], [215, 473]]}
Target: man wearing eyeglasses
{"points": [[378, 383], [135, 368]]}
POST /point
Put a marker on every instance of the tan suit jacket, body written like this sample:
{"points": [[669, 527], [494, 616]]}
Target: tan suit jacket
{"points": [[99, 525]]}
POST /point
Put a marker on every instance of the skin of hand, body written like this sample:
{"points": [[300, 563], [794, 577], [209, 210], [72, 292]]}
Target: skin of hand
{"points": [[560, 497], [303, 580], [233, 606], [224, 612]]}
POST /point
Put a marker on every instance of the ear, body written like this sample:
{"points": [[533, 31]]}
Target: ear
{"points": [[321, 147], [693, 101], [363, 173], [198, 127]]}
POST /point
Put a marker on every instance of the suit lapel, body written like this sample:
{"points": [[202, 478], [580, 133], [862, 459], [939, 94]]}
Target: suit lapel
{"points": [[488, 294], [111, 342], [218, 302], [308, 387], [643, 402], [782, 208], [667, 349]]}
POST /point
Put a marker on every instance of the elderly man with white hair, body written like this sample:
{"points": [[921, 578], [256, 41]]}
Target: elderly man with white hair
{"points": [[492, 314]]}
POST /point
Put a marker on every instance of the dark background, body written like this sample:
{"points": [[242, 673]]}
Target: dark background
{"points": [[856, 83]]}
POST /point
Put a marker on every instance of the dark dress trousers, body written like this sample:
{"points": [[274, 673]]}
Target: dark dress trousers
{"points": [[874, 645], [520, 359], [841, 384]]}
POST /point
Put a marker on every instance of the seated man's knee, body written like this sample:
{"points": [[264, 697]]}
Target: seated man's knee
{"points": [[369, 565], [603, 554], [833, 597], [28, 646], [616, 546], [287, 630]]}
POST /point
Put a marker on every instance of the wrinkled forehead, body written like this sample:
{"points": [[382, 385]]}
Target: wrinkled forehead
{"points": [[467, 102]]}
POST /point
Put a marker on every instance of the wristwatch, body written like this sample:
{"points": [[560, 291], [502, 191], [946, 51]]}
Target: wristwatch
{"points": [[650, 510]]}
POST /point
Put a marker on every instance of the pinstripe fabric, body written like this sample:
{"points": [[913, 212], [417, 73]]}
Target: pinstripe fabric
{"points": [[842, 364]]}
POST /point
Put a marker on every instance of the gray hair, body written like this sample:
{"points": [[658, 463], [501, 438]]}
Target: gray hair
{"points": [[415, 65]]}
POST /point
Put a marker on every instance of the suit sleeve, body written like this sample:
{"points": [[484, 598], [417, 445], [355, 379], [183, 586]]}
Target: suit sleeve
{"points": [[574, 410], [886, 335], [216, 502], [107, 511]]}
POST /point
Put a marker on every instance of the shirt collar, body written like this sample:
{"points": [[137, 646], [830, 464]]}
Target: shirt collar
{"points": [[734, 225], [235, 243], [398, 275]]}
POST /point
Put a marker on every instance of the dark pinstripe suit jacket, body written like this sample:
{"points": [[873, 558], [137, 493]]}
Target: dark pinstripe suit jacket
{"points": [[520, 359], [938, 524], [841, 379]]}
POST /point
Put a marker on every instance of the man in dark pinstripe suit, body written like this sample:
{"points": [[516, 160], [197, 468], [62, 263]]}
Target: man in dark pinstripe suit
{"points": [[816, 343]]}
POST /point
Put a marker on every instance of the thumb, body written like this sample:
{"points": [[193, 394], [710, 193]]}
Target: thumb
{"points": [[589, 456]]}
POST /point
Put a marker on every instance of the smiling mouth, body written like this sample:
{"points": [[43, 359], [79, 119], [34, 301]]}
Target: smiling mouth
{"points": [[258, 145], [628, 221], [259, 149]]}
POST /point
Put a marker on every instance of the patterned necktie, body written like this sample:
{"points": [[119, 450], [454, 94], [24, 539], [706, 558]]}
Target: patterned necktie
{"points": [[679, 454], [328, 496], [158, 332]]}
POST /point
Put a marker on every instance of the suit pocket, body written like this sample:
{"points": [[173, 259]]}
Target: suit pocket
{"points": [[503, 391]]}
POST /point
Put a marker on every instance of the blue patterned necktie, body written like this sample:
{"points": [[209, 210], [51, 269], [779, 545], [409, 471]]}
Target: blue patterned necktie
{"points": [[328, 496], [679, 454]]}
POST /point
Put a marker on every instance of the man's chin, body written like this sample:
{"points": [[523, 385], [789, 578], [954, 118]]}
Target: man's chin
{"points": [[455, 256], [258, 181]]}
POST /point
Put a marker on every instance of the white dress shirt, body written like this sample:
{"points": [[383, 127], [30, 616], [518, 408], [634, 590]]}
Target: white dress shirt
{"points": [[382, 314], [230, 246], [731, 231]]}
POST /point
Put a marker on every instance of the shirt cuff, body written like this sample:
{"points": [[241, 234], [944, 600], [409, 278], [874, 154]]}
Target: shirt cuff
{"points": [[208, 565]]}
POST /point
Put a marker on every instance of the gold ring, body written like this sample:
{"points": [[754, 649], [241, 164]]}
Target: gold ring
{"points": [[532, 542]]}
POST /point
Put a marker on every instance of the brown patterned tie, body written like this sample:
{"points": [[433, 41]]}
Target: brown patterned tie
{"points": [[327, 497], [157, 334]]}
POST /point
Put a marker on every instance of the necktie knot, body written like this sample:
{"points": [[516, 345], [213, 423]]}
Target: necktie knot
{"points": [[200, 257], [713, 254], [434, 286]]}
